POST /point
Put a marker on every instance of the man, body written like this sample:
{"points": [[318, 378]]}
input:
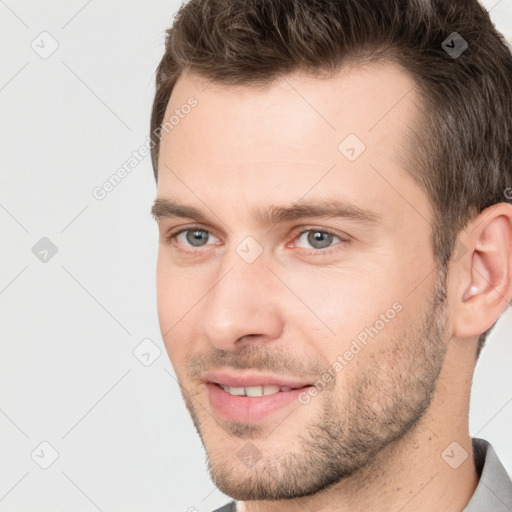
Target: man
{"points": [[334, 209]]}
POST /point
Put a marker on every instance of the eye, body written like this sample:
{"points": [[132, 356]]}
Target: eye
{"points": [[195, 237], [192, 237], [316, 238]]}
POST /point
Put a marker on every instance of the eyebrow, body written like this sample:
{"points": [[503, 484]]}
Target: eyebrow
{"points": [[330, 208]]}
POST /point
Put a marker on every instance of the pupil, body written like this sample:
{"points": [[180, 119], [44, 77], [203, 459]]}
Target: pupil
{"points": [[319, 239], [198, 235]]}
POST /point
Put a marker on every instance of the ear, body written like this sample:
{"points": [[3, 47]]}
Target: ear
{"points": [[484, 272]]}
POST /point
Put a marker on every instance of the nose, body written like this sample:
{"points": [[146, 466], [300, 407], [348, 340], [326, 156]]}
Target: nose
{"points": [[242, 305]]}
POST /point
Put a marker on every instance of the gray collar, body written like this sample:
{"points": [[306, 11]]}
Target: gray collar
{"points": [[494, 489]]}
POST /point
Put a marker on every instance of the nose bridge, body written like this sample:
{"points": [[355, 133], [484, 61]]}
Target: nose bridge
{"points": [[241, 300]]}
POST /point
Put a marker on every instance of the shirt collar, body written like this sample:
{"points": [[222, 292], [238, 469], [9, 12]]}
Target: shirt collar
{"points": [[494, 489]]}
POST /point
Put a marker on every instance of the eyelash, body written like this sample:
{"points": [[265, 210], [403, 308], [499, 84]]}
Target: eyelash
{"points": [[170, 239]]}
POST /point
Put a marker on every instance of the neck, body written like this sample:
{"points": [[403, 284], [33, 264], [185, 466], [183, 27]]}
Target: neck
{"points": [[420, 472]]}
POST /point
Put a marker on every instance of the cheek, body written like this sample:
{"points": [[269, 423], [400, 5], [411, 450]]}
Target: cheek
{"points": [[341, 301], [177, 292], [176, 288], [350, 320]]}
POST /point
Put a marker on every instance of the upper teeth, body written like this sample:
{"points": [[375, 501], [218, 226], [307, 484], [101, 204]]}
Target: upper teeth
{"points": [[254, 390]]}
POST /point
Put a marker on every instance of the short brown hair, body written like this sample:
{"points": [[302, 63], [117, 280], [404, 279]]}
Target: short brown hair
{"points": [[460, 145]]}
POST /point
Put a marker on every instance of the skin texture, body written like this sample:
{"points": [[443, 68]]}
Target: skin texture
{"points": [[372, 439]]}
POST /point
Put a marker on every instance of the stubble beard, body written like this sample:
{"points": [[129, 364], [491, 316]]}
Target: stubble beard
{"points": [[389, 395]]}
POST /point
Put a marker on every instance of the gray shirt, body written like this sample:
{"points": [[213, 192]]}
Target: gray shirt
{"points": [[493, 492]]}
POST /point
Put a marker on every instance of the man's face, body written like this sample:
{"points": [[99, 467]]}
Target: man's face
{"points": [[293, 298]]}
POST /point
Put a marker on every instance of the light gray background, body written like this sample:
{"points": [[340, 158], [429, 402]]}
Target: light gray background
{"points": [[69, 376]]}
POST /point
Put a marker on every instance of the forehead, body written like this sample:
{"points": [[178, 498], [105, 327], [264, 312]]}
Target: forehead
{"points": [[365, 99], [299, 135]]}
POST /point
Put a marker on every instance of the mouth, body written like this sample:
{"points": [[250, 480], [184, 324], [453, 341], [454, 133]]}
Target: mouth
{"points": [[256, 391], [251, 404]]}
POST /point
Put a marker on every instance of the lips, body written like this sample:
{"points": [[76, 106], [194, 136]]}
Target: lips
{"points": [[249, 409], [251, 379]]}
